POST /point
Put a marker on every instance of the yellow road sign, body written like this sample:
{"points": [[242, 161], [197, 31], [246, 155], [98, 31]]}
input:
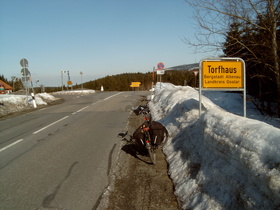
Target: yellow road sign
{"points": [[222, 74], [135, 85]]}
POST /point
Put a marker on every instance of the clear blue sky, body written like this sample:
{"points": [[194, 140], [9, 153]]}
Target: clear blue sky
{"points": [[97, 37]]}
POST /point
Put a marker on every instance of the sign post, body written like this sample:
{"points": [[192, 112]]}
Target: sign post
{"points": [[25, 75], [222, 74], [160, 70], [26, 79]]}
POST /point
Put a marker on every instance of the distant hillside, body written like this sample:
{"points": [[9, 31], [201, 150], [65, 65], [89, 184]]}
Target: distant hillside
{"points": [[121, 82]]}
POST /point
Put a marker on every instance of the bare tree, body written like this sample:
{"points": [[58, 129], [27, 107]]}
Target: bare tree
{"points": [[215, 16]]}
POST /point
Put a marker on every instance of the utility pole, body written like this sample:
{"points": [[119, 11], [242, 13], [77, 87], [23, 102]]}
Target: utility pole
{"points": [[62, 72], [81, 73], [13, 79]]}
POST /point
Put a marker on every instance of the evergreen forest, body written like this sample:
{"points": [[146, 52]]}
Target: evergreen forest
{"points": [[253, 45], [122, 82]]}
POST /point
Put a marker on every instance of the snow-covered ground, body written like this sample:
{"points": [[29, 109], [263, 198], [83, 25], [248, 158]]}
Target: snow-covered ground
{"points": [[218, 160]]}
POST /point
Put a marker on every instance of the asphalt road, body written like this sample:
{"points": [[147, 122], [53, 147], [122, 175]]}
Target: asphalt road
{"points": [[60, 157]]}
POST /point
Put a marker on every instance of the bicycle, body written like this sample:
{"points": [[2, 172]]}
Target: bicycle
{"points": [[151, 148], [149, 135], [142, 141]]}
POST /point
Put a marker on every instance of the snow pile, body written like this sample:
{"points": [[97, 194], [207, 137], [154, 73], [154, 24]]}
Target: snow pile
{"points": [[220, 160], [14, 103], [44, 97], [75, 92], [11, 104]]}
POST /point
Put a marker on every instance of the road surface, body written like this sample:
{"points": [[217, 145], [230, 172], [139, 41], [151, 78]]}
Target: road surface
{"points": [[60, 157]]}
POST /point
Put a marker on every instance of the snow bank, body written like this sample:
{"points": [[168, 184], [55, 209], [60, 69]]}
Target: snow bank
{"points": [[220, 160], [14, 103], [44, 98], [67, 92]]}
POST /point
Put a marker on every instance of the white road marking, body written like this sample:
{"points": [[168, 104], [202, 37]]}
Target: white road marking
{"points": [[111, 96], [80, 110], [11, 145], [49, 125]]}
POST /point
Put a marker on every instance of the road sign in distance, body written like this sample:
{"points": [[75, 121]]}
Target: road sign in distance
{"points": [[23, 62], [160, 72], [160, 65], [25, 72], [135, 84], [25, 79]]}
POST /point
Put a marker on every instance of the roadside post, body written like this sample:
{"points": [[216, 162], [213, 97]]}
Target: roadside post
{"points": [[195, 75], [25, 74], [27, 79], [160, 70], [222, 74]]}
